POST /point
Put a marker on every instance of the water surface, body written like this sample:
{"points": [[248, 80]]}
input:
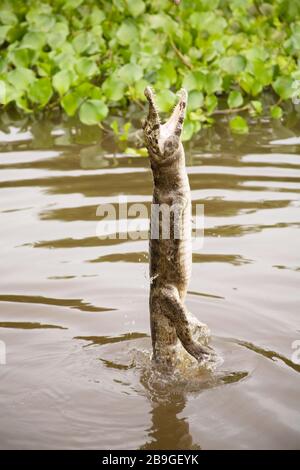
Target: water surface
{"points": [[74, 308]]}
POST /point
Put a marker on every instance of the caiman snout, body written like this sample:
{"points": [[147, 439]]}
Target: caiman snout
{"points": [[162, 139]]}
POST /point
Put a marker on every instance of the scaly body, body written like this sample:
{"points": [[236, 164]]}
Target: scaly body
{"points": [[170, 240]]}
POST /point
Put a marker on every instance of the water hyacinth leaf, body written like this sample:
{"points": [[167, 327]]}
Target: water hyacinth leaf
{"points": [[195, 100], [139, 87], [82, 42], [72, 4], [40, 91], [257, 107], [20, 78], [211, 102], [3, 33], [7, 17], [209, 4], [250, 85], [62, 81], [22, 103], [92, 112], [238, 125], [127, 33], [233, 64], [207, 21], [22, 57], [188, 131], [263, 73], [213, 83], [284, 87], [96, 17], [256, 53], [165, 100], [40, 18], [34, 40], [136, 7], [57, 36], [194, 81], [235, 99], [276, 112], [130, 73], [113, 88], [71, 102], [86, 67], [2, 92], [95, 93], [166, 75]]}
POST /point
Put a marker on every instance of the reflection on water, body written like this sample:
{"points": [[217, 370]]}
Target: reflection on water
{"points": [[27, 325], [74, 308], [271, 355], [70, 303], [108, 340]]}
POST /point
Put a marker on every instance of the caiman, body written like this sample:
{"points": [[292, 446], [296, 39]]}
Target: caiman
{"points": [[170, 246]]}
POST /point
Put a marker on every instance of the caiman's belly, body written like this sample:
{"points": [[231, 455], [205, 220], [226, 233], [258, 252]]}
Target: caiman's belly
{"points": [[171, 260]]}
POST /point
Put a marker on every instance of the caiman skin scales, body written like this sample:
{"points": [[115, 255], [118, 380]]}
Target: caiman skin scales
{"points": [[170, 258]]}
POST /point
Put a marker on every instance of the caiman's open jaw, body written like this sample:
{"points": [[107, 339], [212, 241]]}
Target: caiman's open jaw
{"points": [[173, 126]]}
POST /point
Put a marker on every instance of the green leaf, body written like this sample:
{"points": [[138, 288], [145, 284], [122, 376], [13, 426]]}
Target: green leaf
{"points": [[139, 88], [166, 75], [92, 112], [257, 107], [113, 88], [72, 4], [136, 7], [3, 33], [213, 83], [262, 72], [86, 67], [276, 112], [71, 102], [22, 57], [20, 78], [238, 125], [82, 42], [2, 92], [127, 33], [208, 21], [194, 81], [40, 91], [40, 18], [165, 100], [235, 99], [8, 17], [130, 73], [22, 103], [62, 81], [195, 100], [34, 40], [250, 85], [188, 131], [284, 87], [211, 102], [233, 64], [96, 17], [57, 36]]}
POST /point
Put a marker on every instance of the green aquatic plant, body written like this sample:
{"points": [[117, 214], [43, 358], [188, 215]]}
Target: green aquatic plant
{"points": [[90, 57]]}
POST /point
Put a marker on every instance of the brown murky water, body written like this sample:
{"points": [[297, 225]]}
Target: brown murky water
{"points": [[74, 309]]}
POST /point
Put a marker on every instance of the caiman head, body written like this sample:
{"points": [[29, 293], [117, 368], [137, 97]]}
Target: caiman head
{"points": [[163, 140]]}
